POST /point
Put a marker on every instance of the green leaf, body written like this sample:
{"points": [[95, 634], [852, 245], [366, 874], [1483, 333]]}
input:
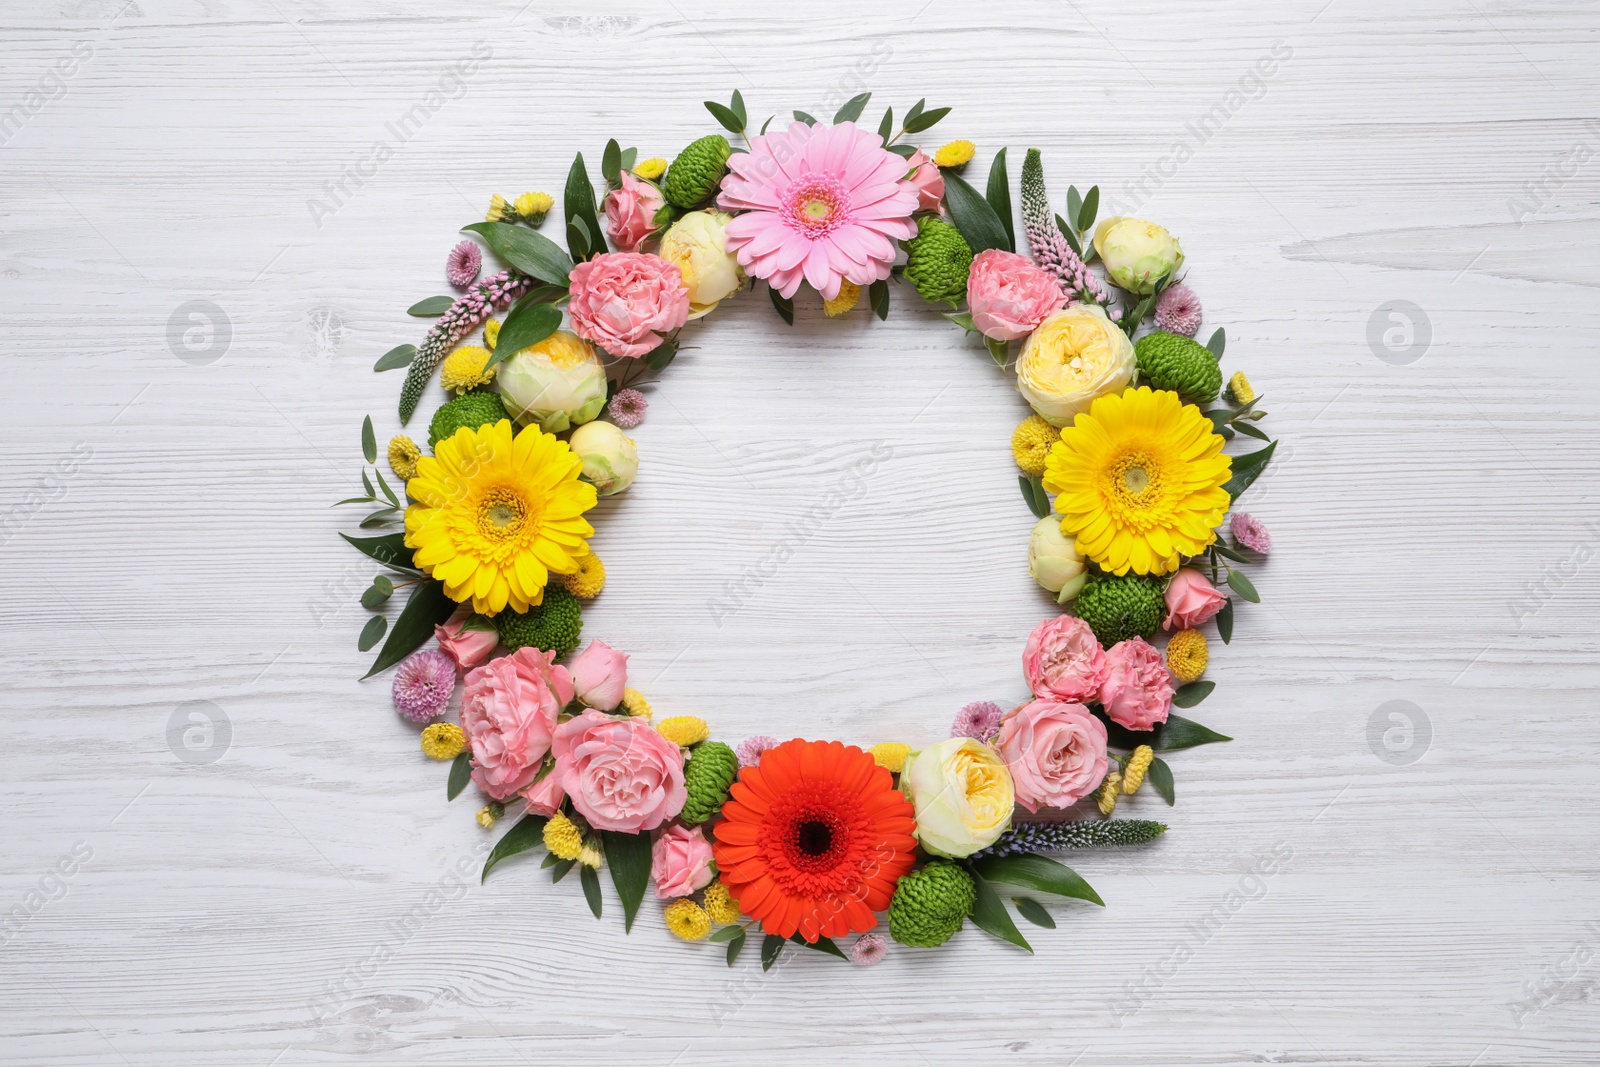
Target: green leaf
{"points": [[727, 933], [852, 108], [1189, 695], [999, 351], [591, 888], [972, 215], [371, 632], [629, 156], [397, 357], [659, 357], [1033, 492], [1034, 912], [772, 944], [1219, 341], [784, 304], [1038, 872], [886, 127], [527, 834], [1247, 468], [578, 202], [878, 294], [431, 306], [550, 860], [1219, 418], [387, 492], [1242, 585], [628, 856], [559, 869], [579, 230], [1069, 234], [926, 120], [725, 116], [1252, 431], [1225, 622], [526, 250], [998, 194], [527, 323], [369, 443], [916, 110], [390, 549], [1074, 205], [904, 151], [1174, 734], [962, 319], [801, 116], [427, 608], [373, 598], [764, 125], [989, 913], [1160, 776], [460, 775], [735, 944], [738, 109], [611, 163], [1086, 213], [821, 944], [381, 517], [479, 624], [381, 581]]}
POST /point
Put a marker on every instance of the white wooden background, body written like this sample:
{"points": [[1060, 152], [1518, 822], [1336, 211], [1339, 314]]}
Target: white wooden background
{"points": [[285, 889]]}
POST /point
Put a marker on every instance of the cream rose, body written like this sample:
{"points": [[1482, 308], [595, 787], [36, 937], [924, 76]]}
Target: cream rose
{"points": [[1054, 560], [962, 794], [557, 383], [697, 244], [1137, 254], [1075, 356], [610, 458]]}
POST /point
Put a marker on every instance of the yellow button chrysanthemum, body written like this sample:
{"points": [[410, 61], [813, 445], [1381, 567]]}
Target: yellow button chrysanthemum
{"points": [[890, 755], [687, 920], [588, 580], [1138, 763], [562, 837], [403, 456], [466, 368], [1187, 655], [651, 169], [720, 907], [634, 703], [955, 154], [443, 740], [1139, 481], [684, 730], [1031, 442], [497, 514], [849, 293]]}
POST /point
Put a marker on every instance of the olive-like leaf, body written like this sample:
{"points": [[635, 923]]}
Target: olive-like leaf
{"points": [[661, 356], [973, 216], [1242, 585], [725, 116], [735, 945], [1091, 206], [387, 492], [1225, 622], [1189, 695], [801, 116], [878, 294], [1038, 872], [1247, 468], [738, 109], [628, 856], [727, 933], [369, 443], [525, 250], [390, 549], [381, 517], [373, 598], [1034, 912], [1218, 342], [371, 632], [772, 944], [852, 108], [989, 913], [591, 888], [1074, 204], [611, 163], [527, 834], [428, 607], [1160, 776], [430, 307], [886, 127], [526, 324], [926, 120], [397, 357], [460, 775], [1070, 234]]}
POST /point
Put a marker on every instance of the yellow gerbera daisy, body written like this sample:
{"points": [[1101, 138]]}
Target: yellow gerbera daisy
{"points": [[1139, 480], [497, 514]]}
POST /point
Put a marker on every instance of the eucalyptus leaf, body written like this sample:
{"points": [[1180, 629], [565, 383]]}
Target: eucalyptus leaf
{"points": [[387, 492], [989, 913], [1074, 204], [1160, 776], [1034, 912], [724, 116], [1252, 431], [371, 632], [998, 194], [801, 116], [381, 517], [878, 294], [591, 888], [1069, 234], [611, 163], [526, 250], [904, 151], [579, 239], [527, 834], [397, 357], [764, 125], [1223, 550], [1247, 468], [1193, 693], [381, 581], [526, 324], [628, 856], [886, 127], [771, 945], [852, 108], [430, 307], [1218, 342], [735, 945], [738, 109], [727, 933], [1038, 872], [784, 304], [389, 549], [428, 607], [1225, 622], [916, 110], [366, 483], [926, 120], [1091, 207], [661, 356], [1243, 586], [373, 597], [460, 775], [973, 216], [369, 444], [629, 156]]}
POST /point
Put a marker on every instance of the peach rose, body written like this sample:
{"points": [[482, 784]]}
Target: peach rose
{"points": [[1138, 690], [620, 774], [1191, 600], [929, 182], [1063, 660], [1056, 753], [631, 212], [509, 714], [1008, 296], [469, 648], [625, 301], [599, 675], [680, 862]]}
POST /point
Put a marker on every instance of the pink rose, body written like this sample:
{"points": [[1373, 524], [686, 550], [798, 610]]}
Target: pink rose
{"points": [[680, 862], [929, 182], [544, 797], [1191, 600], [469, 648], [1138, 690], [625, 301], [620, 774], [1056, 753], [1063, 660], [599, 675], [1009, 296], [631, 212], [509, 713]]}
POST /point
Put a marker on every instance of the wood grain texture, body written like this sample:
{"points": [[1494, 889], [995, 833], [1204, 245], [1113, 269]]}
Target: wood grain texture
{"points": [[309, 898]]}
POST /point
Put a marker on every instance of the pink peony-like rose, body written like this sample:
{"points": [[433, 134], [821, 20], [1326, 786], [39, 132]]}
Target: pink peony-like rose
{"points": [[1191, 600], [509, 714], [1056, 753], [680, 862], [544, 797], [925, 175], [625, 301], [469, 648], [620, 774], [1063, 660], [631, 212], [1009, 296], [1138, 690], [599, 675]]}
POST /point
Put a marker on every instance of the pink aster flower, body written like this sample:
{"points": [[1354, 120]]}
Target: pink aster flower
{"points": [[869, 949], [979, 720], [463, 264], [821, 204], [1248, 531], [750, 749], [627, 408], [423, 684], [1178, 311]]}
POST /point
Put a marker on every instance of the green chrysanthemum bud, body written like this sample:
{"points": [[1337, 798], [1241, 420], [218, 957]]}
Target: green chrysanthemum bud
{"points": [[471, 410], [929, 904], [1117, 608], [1180, 364], [552, 626], [711, 769], [694, 175], [938, 260]]}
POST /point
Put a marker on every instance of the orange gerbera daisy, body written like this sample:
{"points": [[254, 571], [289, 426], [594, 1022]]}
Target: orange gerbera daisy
{"points": [[814, 839]]}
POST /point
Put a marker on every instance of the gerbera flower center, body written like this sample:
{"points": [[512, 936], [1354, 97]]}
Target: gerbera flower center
{"points": [[501, 514], [814, 837], [816, 204], [1136, 479]]}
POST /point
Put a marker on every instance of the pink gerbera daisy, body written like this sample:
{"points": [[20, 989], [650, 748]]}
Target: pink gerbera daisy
{"points": [[821, 204]]}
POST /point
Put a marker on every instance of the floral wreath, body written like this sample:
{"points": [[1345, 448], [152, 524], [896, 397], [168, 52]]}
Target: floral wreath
{"points": [[1122, 462]]}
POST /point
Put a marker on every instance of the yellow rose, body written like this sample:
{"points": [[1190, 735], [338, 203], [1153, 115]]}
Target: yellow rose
{"points": [[558, 383], [697, 244], [962, 794], [1137, 254], [1074, 356]]}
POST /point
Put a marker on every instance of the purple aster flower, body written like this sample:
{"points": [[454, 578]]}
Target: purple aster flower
{"points": [[462, 267], [869, 949], [423, 684], [1178, 311], [750, 749], [979, 720], [1248, 531], [627, 408]]}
